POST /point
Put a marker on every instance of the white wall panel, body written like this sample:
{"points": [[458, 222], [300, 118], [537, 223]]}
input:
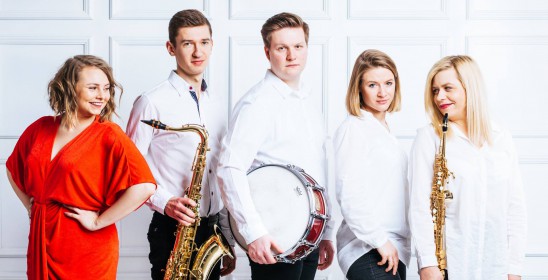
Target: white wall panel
{"points": [[397, 9], [507, 9], [537, 209], [54, 9], [14, 220], [138, 64], [308, 9], [513, 77], [26, 67], [159, 9]]}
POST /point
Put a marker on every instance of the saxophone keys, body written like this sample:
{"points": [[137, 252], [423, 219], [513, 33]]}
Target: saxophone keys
{"points": [[448, 194]]}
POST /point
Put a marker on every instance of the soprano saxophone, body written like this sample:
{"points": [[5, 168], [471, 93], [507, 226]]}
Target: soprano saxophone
{"points": [[437, 200], [181, 265]]}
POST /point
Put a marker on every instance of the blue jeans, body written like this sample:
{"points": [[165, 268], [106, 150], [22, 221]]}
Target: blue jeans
{"points": [[366, 268]]}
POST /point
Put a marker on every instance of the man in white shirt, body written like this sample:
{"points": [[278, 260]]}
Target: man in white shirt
{"points": [[275, 122], [183, 98]]}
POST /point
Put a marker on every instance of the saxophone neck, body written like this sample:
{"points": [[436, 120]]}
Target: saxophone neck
{"points": [[444, 127]]}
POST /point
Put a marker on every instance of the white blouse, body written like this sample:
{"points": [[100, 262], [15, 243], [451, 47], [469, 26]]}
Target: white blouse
{"points": [[372, 189], [486, 220]]}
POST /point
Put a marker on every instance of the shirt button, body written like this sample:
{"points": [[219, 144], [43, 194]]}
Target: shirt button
{"points": [[209, 170]]}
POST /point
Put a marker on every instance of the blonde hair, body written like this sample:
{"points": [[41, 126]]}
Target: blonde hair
{"points": [[367, 60], [62, 89], [477, 114]]}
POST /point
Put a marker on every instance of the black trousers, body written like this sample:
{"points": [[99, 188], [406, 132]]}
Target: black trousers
{"points": [[161, 237], [366, 268], [304, 269]]}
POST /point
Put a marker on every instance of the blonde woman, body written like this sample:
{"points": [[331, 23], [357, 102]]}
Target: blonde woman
{"points": [[371, 177], [486, 219]]}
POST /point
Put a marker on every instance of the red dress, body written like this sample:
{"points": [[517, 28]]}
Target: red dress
{"points": [[90, 172]]}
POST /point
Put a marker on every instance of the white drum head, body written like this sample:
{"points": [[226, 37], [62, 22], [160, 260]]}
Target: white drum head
{"points": [[282, 201]]}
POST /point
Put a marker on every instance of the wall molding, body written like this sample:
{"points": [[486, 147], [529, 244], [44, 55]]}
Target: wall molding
{"points": [[442, 42], [116, 42], [84, 14], [117, 13], [505, 40], [16, 40], [398, 14], [473, 13], [267, 13]]}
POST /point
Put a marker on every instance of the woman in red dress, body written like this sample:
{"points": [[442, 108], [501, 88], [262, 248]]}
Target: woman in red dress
{"points": [[77, 173]]}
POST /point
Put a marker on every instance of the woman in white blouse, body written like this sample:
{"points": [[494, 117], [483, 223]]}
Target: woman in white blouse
{"points": [[485, 223], [371, 176]]}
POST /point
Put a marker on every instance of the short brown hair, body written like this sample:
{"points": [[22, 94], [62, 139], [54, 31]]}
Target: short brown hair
{"points": [[279, 21], [186, 18], [62, 88], [367, 60]]}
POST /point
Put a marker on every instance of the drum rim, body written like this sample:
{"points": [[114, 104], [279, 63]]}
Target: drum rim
{"points": [[313, 215]]}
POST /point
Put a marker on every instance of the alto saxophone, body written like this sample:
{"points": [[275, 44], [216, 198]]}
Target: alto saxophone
{"points": [[181, 265], [437, 200]]}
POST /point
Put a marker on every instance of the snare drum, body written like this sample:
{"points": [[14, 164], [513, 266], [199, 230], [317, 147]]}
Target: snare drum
{"points": [[292, 207]]}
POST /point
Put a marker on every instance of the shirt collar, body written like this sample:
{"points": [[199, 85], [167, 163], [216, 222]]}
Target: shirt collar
{"points": [[368, 115], [285, 90], [183, 87]]}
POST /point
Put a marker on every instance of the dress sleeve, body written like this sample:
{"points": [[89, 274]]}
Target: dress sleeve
{"points": [[127, 165], [16, 161]]}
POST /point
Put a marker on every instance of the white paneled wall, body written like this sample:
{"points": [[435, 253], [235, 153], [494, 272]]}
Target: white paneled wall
{"points": [[508, 38]]}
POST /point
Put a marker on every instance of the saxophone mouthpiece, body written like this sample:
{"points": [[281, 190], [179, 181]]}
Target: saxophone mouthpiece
{"points": [[155, 124], [444, 125]]}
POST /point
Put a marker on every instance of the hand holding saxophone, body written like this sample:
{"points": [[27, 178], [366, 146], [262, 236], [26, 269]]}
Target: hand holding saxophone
{"points": [[431, 273], [178, 209]]}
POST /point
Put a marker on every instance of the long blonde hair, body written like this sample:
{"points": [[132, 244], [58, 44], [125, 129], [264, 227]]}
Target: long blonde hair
{"points": [[367, 60], [477, 113], [62, 88]]}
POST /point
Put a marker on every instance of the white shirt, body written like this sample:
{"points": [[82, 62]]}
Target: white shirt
{"points": [[170, 154], [271, 123], [486, 223], [372, 189]]}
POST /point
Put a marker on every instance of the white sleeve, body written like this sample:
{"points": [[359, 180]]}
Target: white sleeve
{"points": [[421, 170], [517, 216], [142, 134], [248, 130], [329, 231], [357, 187]]}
